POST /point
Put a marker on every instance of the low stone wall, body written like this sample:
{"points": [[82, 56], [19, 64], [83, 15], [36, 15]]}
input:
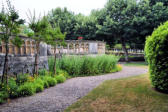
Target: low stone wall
{"points": [[23, 64]]}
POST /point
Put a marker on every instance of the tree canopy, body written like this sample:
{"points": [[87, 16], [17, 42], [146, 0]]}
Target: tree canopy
{"points": [[131, 19]]}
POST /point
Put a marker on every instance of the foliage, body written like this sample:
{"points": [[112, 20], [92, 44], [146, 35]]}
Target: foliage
{"points": [[60, 78], [9, 25], [56, 38], [156, 55], [77, 66], [64, 73], [17, 41], [38, 85], [3, 96], [26, 85], [50, 80], [64, 19], [40, 28], [85, 27], [119, 46], [12, 88], [27, 89], [131, 20], [22, 78], [46, 85], [51, 65], [43, 72]]}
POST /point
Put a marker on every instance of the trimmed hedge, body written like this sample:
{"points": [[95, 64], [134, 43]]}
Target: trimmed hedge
{"points": [[156, 53]]}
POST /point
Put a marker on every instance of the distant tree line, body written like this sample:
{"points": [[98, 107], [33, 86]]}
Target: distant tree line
{"points": [[127, 22]]}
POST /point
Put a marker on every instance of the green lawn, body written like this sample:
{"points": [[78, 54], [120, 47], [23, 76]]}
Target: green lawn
{"points": [[136, 64], [133, 94]]}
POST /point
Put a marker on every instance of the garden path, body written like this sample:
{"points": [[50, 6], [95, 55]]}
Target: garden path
{"points": [[58, 98]]}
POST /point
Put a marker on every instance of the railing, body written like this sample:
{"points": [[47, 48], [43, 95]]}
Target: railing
{"points": [[130, 51]]}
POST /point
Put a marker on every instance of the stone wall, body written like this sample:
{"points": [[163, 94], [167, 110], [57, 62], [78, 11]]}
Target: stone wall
{"points": [[21, 60], [23, 64]]}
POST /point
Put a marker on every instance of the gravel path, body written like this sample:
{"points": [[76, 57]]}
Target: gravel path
{"points": [[57, 98]]}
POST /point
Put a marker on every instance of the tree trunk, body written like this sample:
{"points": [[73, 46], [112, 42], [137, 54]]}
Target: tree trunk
{"points": [[5, 68], [36, 59], [55, 60], [124, 49]]}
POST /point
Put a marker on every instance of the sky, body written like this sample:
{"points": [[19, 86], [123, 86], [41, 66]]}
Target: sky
{"points": [[43, 6]]}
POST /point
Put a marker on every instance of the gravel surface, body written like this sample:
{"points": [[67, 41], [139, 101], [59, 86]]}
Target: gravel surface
{"points": [[58, 98]]}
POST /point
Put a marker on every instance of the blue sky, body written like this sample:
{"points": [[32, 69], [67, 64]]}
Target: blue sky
{"points": [[41, 6]]}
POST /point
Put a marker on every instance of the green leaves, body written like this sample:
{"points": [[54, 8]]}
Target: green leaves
{"points": [[56, 37], [39, 26], [156, 54], [17, 41]]}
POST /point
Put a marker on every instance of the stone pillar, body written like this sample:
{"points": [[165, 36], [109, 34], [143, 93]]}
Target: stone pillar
{"points": [[84, 48], [68, 48], [74, 48], [87, 48], [13, 48], [3, 48], [79, 48], [30, 47]]}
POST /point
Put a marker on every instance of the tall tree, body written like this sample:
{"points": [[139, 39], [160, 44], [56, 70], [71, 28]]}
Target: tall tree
{"points": [[85, 27], [147, 19], [65, 19], [9, 25], [119, 15], [39, 26], [56, 38]]}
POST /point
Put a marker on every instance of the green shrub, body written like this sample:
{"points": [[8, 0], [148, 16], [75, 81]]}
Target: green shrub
{"points": [[3, 87], [60, 78], [156, 53], [71, 64], [39, 81], [46, 85], [26, 90], [22, 78], [62, 72], [3, 96], [38, 85], [12, 88], [50, 80]]}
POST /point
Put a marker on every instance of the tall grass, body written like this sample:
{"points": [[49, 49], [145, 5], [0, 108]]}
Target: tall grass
{"points": [[86, 65]]}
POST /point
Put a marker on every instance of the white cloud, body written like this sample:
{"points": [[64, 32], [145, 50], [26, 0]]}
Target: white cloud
{"points": [[77, 6]]}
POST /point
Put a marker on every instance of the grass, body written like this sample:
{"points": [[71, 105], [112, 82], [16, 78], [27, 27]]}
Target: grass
{"points": [[133, 94], [86, 65], [136, 64]]}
